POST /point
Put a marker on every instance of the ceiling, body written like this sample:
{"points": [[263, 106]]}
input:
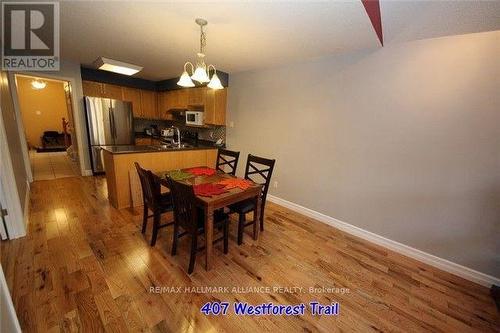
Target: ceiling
{"points": [[245, 36]]}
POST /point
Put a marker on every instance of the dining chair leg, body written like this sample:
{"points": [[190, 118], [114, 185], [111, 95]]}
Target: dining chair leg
{"points": [[144, 218], [226, 236], [241, 227], [262, 218], [156, 224], [194, 246], [176, 238]]}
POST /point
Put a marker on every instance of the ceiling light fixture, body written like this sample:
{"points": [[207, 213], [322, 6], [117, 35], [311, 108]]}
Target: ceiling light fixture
{"points": [[38, 84], [116, 66], [202, 72]]}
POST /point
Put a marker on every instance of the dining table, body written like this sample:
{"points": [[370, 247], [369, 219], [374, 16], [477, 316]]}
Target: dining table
{"points": [[210, 204]]}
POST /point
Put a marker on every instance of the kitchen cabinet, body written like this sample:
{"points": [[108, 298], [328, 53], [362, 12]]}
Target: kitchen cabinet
{"points": [[134, 96], [182, 98], [151, 105], [215, 106], [177, 99], [97, 89], [91, 88], [119, 168], [112, 91], [148, 104], [196, 96], [164, 106]]}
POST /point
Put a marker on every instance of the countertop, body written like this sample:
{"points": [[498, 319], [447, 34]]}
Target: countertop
{"points": [[155, 148]]}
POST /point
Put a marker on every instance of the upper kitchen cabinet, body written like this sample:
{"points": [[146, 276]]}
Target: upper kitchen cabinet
{"points": [[181, 97], [112, 91], [213, 101], [134, 96], [148, 104], [164, 106], [215, 106], [97, 89], [91, 88], [196, 96]]}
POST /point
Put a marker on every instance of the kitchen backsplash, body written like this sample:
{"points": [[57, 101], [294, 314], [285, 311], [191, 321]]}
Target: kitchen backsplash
{"points": [[211, 134]]}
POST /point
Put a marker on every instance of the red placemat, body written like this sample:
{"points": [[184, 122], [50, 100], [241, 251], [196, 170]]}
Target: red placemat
{"points": [[202, 171], [236, 182], [208, 189]]}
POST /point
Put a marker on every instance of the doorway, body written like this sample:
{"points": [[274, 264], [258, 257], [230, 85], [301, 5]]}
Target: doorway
{"points": [[47, 116]]}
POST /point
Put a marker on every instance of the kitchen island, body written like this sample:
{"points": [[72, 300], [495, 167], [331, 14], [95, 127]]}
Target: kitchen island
{"points": [[122, 180]]}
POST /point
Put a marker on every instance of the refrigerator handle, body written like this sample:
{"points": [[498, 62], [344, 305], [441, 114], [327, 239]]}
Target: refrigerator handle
{"points": [[114, 122], [111, 122]]}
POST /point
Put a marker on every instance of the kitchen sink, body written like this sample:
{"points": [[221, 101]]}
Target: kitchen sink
{"points": [[170, 146]]}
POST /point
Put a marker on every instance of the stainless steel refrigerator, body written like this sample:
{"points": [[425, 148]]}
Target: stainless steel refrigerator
{"points": [[110, 123]]}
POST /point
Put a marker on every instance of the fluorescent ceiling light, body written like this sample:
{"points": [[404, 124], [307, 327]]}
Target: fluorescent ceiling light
{"points": [[116, 66]]}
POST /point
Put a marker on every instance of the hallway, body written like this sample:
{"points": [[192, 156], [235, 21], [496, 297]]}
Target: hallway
{"points": [[53, 165]]}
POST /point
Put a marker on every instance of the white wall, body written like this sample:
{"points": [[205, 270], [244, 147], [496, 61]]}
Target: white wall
{"points": [[403, 141]]}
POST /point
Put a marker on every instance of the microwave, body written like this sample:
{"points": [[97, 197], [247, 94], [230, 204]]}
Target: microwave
{"points": [[194, 118]]}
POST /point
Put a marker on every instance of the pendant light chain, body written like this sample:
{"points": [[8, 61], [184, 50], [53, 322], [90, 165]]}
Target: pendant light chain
{"points": [[203, 40]]}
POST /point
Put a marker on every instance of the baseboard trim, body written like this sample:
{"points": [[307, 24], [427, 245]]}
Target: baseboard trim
{"points": [[86, 173], [427, 258]]}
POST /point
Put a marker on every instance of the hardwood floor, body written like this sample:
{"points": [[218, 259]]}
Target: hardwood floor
{"points": [[85, 266]]}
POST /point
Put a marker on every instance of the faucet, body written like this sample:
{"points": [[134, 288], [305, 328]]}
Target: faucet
{"points": [[178, 143]]}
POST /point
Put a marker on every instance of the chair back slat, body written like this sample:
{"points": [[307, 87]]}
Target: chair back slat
{"points": [[185, 211], [227, 158], [150, 185], [262, 167]]}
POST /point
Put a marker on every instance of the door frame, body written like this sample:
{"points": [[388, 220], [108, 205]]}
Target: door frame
{"points": [[15, 218], [9, 317], [77, 126]]}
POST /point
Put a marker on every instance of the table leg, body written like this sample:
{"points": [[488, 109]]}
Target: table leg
{"points": [[256, 219], [209, 236]]}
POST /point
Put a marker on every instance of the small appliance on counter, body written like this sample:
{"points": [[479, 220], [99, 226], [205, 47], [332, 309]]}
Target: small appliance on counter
{"points": [[167, 135], [194, 118]]}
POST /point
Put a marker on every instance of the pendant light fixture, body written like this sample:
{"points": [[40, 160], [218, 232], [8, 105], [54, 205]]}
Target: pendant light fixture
{"points": [[38, 84], [200, 73]]}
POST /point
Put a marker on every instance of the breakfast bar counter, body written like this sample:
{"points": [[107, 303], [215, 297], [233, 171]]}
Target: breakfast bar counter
{"points": [[123, 185]]}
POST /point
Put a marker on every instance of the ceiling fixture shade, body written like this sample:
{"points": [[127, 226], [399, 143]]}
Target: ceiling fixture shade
{"points": [[185, 79], [201, 73], [215, 81], [38, 84], [116, 66]]}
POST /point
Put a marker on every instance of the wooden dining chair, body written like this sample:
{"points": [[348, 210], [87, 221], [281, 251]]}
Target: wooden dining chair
{"points": [[153, 200], [192, 220], [259, 170], [227, 158]]}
